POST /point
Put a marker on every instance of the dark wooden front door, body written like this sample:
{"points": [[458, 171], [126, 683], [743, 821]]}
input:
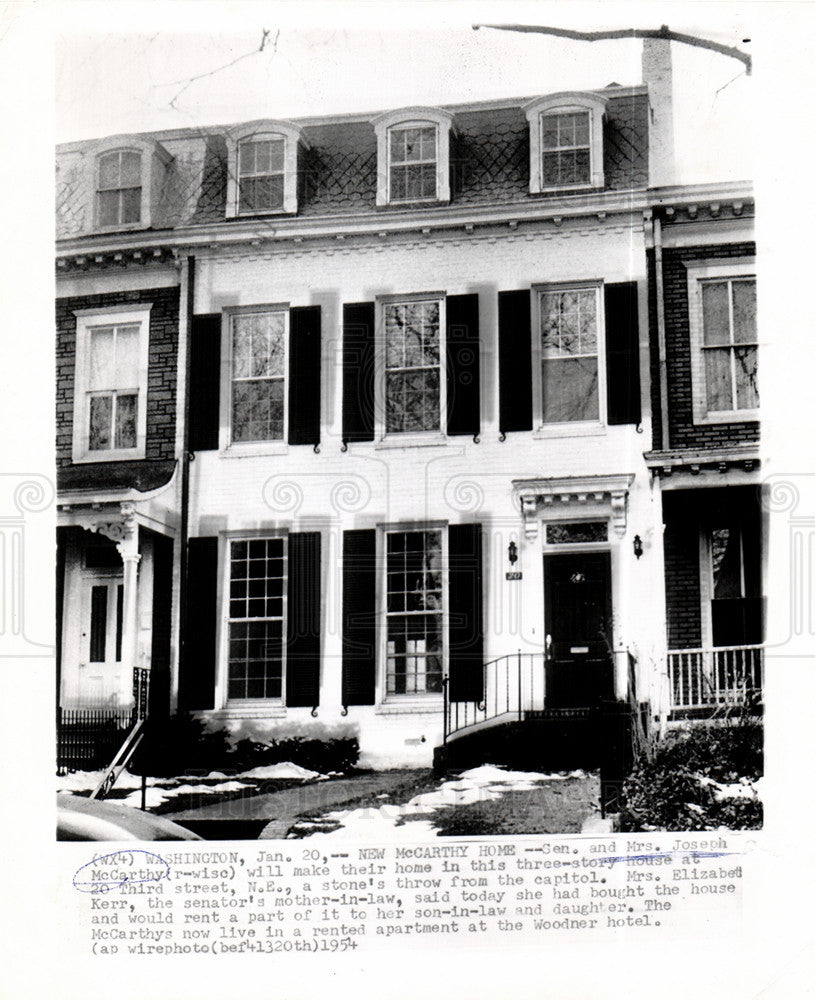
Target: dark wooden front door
{"points": [[577, 609]]}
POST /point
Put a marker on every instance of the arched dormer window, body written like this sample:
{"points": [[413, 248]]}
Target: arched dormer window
{"points": [[262, 178], [127, 176], [413, 156], [565, 142]]}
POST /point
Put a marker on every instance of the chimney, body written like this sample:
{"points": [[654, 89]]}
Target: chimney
{"points": [[657, 75]]}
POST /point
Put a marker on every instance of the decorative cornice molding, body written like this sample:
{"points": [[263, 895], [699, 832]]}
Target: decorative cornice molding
{"points": [[574, 494]]}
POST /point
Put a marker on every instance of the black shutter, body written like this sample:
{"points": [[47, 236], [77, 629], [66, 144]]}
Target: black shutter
{"points": [[303, 617], [466, 633], [463, 365], [304, 375], [358, 329], [359, 617], [514, 361], [622, 354], [205, 382], [197, 679]]}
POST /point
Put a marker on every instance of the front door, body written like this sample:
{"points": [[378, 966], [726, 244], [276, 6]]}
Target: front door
{"points": [[100, 681], [577, 609]]}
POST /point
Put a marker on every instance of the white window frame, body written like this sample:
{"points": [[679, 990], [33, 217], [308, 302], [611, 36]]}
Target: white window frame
{"points": [[225, 580], [405, 438], [429, 699], [86, 321], [292, 137], [154, 161], [697, 273], [416, 117], [273, 445], [565, 103], [566, 428]]}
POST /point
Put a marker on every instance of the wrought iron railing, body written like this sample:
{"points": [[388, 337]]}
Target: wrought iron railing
{"points": [[519, 686], [713, 677]]}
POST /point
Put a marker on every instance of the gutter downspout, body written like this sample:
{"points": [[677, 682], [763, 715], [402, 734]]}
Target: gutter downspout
{"points": [[661, 344], [186, 458]]}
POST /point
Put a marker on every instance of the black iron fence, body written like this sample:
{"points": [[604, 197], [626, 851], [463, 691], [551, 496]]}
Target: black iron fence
{"points": [[88, 738]]}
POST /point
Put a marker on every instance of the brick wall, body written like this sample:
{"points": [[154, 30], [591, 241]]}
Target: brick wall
{"points": [[682, 596], [161, 379], [683, 432]]}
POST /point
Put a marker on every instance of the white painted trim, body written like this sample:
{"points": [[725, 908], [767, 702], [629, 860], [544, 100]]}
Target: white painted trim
{"points": [[564, 103], [86, 320], [292, 137], [417, 117], [119, 280], [241, 449], [697, 271], [568, 428], [396, 439], [154, 160]]}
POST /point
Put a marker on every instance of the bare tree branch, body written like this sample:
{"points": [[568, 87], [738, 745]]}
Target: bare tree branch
{"points": [[594, 36]]}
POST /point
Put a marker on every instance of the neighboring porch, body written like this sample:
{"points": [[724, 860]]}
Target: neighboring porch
{"points": [[715, 605]]}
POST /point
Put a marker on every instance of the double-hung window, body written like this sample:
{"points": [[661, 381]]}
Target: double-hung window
{"points": [[415, 646], [413, 163], [565, 142], [414, 384], [111, 384], [724, 341], [257, 615], [258, 375], [119, 188], [569, 349], [261, 174]]}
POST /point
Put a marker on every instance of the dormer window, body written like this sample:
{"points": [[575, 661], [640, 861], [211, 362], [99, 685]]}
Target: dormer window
{"points": [[565, 142], [118, 194], [413, 153], [262, 177]]}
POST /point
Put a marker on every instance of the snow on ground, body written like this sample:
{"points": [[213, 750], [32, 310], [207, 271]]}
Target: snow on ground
{"points": [[741, 789], [159, 790], [476, 785]]}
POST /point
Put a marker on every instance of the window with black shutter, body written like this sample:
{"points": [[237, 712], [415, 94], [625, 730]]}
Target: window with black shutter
{"points": [[622, 353], [197, 668], [304, 375], [466, 628], [359, 617], [205, 382], [303, 620]]}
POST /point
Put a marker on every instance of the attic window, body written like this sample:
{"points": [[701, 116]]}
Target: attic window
{"points": [[413, 155], [262, 174], [124, 180], [118, 194], [565, 142]]}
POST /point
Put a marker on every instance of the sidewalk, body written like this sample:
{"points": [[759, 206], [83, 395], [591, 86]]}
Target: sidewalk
{"points": [[273, 813]]}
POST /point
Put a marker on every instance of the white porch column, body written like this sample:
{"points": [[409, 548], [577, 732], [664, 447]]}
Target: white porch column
{"points": [[128, 548]]}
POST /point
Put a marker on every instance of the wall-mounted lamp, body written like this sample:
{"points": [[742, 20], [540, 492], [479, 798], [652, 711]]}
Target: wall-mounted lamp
{"points": [[512, 553], [637, 546]]}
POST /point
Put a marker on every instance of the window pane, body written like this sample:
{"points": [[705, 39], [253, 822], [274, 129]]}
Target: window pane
{"points": [[109, 170], [101, 408], [131, 205], [570, 390], [746, 380], [716, 312], [98, 624], [257, 410], [718, 380], [108, 202], [246, 158], [130, 170], [125, 421], [744, 312], [568, 323], [100, 361], [586, 531], [725, 557], [258, 345], [413, 400], [127, 358]]}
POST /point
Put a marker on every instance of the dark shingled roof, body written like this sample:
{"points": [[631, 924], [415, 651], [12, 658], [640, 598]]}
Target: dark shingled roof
{"points": [[489, 165]]}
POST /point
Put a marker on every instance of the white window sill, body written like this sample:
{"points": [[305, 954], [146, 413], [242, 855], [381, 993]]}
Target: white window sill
{"points": [[570, 189], [264, 212], [255, 449], [131, 455], [409, 705], [412, 441], [569, 430], [727, 417], [260, 709]]}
